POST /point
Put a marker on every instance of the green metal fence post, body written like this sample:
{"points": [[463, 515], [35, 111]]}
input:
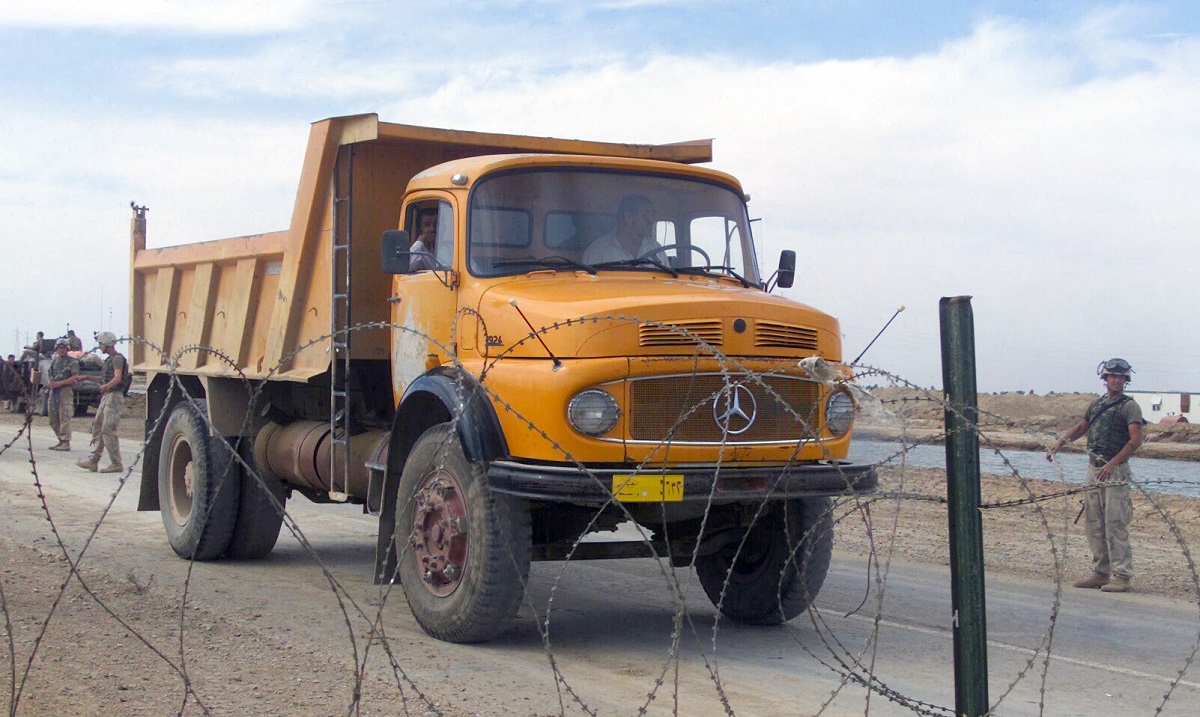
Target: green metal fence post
{"points": [[963, 497]]}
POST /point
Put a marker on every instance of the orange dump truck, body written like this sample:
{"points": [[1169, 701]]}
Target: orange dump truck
{"points": [[498, 344]]}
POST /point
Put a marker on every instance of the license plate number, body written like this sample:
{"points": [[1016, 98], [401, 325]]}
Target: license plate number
{"points": [[648, 488]]}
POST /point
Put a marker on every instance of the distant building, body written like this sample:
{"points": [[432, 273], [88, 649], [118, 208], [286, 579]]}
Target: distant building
{"points": [[1157, 405]]}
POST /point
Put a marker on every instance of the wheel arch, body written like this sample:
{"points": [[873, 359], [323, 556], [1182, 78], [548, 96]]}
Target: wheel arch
{"points": [[441, 396]]}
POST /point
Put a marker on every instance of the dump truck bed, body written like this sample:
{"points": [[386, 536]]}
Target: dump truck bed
{"points": [[262, 306]]}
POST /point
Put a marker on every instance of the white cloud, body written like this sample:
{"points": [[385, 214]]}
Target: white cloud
{"points": [[198, 16], [67, 195], [315, 70]]}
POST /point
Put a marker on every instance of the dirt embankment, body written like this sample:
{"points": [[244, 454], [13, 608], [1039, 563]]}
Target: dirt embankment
{"points": [[1010, 420]]}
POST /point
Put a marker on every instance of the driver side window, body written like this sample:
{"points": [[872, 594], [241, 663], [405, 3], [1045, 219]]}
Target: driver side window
{"points": [[431, 226]]}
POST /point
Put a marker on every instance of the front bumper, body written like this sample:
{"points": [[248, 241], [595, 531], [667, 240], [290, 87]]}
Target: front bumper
{"points": [[591, 485]]}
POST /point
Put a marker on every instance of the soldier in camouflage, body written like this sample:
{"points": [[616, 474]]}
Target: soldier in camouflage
{"points": [[115, 379], [14, 385], [1113, 424], [37, 348], [64, 373]]}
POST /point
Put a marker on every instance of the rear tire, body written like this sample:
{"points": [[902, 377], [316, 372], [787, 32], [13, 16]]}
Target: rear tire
{"points": [[198, 487], [462, 550], [259, 512], [780, 568]]}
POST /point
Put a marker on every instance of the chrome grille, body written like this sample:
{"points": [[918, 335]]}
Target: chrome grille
{"points": [[771, 334], [680, 409], [708, 331]]}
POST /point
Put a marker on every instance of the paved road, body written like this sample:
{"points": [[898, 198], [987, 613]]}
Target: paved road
{"points": [[611, 624]]}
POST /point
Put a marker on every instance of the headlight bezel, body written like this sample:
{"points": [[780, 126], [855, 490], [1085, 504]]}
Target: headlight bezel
{"points": [[596, 418], [839, 412]]}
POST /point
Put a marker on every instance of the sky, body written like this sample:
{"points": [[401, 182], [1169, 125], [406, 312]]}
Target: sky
{"points": [[1040, 157]]}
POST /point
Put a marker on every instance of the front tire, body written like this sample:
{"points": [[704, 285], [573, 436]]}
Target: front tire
{"points": [[197, 485], [462, 551], [780, 568]]}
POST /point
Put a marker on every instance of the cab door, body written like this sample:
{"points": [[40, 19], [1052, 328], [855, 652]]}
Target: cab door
{"points": [[425, 301]]}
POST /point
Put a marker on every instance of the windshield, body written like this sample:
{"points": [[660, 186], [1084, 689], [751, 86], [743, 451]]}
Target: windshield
{"points": [[596, 220]]}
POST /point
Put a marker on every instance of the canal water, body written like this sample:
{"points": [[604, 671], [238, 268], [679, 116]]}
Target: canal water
{"points": [[1156, 474]]}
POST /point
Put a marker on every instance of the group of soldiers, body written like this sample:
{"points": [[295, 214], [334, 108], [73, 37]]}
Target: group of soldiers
{"points": [[62, 376]]}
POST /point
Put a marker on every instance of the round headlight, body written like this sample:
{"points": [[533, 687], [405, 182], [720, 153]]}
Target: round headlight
{"points": [[593, 412], [839, 412]]}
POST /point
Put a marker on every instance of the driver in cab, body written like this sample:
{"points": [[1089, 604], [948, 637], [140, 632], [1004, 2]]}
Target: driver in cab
{"points": [[424, 248], [633, 236]]}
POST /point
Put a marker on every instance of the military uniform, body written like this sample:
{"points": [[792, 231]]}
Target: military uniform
{"points": [[61, 403], [14, 386], [108, 414], [1109, 508], [1113, 425]]}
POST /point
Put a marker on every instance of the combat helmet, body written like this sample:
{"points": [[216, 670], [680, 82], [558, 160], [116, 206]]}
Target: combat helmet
{"points": [[1115, 367]]}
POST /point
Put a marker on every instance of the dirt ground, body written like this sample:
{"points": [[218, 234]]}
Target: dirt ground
{"points": [[143, 675], [906, 521]]}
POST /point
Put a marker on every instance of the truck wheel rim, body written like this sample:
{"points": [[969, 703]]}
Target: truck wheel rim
{"points": [[439, 533], [181, 487]]}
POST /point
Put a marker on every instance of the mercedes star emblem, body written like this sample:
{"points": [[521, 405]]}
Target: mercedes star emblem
{"points": [[734, 409]]}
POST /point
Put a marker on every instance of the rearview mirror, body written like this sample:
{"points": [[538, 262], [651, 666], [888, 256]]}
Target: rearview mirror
{"points": [[787, 269], [395, 251]]}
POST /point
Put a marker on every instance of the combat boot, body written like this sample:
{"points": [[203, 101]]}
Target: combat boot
{"points": [[113, 468], [88, 463], [1117, 585], [61, 446], [1095, 580]]}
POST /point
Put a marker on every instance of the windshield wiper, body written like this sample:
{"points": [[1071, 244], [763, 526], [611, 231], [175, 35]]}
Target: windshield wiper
{"points": [[720, 270], [640, 261], [547, 262]]}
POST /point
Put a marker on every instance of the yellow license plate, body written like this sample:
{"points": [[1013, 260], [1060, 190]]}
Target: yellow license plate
{"points": [[648, 488]]}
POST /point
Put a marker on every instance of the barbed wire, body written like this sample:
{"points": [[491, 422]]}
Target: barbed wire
{"points": [[857, 666]]}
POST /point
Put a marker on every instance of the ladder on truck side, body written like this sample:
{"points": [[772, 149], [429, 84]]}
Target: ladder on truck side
{"points": [[339, 359]]}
